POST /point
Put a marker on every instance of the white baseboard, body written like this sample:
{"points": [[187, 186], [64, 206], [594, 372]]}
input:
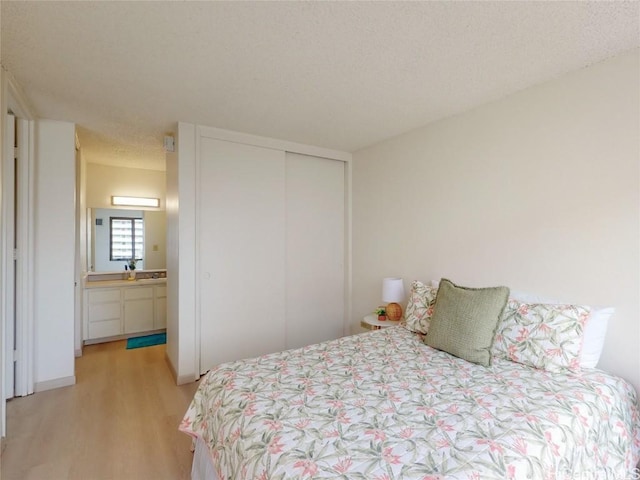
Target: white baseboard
{"points": [[170, 365], [126, 336], [184, 379], [55, 383]]}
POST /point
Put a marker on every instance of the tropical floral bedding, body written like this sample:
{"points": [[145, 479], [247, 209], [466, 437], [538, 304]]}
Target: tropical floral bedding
{"points": [[383, 405]]}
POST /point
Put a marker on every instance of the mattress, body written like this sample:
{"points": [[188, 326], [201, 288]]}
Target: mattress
{"points": [[382, 405]]}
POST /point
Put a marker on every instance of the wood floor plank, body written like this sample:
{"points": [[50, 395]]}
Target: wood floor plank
{"points": [[120, 421]]}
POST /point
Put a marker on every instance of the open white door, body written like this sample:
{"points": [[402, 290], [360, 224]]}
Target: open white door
{"points": [[17, 243], [23, 265], [9, 257]]}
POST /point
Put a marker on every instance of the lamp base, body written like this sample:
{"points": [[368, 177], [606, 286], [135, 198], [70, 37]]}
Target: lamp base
{"points": [[394, 311]]}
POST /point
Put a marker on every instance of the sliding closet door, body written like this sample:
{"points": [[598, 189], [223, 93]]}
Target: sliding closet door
{"points": [[241, 251], [315, 227]]}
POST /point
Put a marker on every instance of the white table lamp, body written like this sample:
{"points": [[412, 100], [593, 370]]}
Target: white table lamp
{"points": [[392, 293]]}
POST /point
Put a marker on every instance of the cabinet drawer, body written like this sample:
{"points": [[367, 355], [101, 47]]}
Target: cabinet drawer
{"points": [[161, 291], [107, 328], [100, 296], [135, 293], [104, 311]]}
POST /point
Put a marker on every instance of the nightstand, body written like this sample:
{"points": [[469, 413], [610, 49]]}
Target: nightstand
{"points": [[371, 322]]}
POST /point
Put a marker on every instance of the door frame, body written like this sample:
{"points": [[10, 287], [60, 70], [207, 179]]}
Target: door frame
{"points": [[15, 102]]}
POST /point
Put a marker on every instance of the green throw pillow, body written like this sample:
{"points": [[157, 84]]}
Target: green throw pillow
{"points": [[465, 319]]}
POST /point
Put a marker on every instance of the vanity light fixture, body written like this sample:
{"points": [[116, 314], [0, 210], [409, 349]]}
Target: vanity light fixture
{"points": [[135, 201]]}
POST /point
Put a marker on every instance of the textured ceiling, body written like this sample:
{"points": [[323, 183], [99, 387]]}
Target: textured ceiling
{"points": [[341, 75]]}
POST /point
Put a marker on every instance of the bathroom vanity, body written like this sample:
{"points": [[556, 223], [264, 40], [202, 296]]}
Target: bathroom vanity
{"points": [[115, 307]]}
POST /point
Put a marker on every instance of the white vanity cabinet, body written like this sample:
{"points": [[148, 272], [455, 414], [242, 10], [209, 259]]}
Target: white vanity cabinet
{"points": [[120, 308]]}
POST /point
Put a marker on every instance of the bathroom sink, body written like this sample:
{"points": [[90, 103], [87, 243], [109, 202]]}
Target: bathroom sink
{"points": [[150, 280]]}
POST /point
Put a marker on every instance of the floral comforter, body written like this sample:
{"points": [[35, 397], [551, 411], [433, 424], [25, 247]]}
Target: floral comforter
{"points": [[382, 405]]}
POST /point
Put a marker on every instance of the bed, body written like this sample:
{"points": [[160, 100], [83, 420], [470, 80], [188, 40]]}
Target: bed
{"points": [[384, 405]]}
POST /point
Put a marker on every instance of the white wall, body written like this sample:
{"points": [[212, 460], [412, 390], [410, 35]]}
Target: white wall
{"points": [[173, 265], [3, 403], [155, 240], [54, 255], [104, 181], [181, 248], [81, 244], [538, 191]]}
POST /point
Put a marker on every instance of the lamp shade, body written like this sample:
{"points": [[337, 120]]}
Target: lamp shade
{"points": [[392, 290]]}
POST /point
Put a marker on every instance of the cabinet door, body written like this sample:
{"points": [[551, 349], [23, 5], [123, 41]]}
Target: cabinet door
{"points": [[138, 309], [241, 251], [315, 249], [160, 314]]}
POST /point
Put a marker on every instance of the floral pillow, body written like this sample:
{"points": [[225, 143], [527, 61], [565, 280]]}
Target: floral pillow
{"points": [[420, 307], [544, 336]]}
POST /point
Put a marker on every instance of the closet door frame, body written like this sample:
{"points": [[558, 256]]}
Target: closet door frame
{"points": [[285, 146]]}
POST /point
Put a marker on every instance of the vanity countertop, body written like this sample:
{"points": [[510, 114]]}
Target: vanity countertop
{"points": [[124, 283]]}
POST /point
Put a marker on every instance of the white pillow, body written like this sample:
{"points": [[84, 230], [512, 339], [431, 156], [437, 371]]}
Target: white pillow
{"points": [[542, 335], [595, 330]]}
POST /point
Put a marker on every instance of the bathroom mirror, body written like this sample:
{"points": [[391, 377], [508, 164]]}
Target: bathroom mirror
{"points": [[104, 256]]}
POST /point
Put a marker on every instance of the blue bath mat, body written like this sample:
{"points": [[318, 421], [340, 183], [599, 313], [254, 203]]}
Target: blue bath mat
{"points": [[147, 341]]}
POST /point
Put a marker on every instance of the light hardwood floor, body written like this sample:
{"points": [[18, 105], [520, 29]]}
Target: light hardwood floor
{"points": [[120, 421]]}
